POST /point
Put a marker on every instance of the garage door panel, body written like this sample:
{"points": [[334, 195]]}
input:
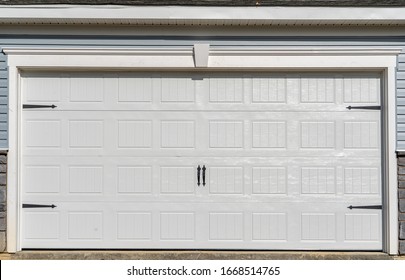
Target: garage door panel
{"points": [[44, 88], [282, 157], [43, 178], [361, 135], [36, 222], [188, 91], [362, 89], [363, 227], [227, 179], [140, 134], [46, 133], [233, 225]]}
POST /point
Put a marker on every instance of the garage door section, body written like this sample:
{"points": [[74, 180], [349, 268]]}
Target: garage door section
{"points": [[201, 161]]}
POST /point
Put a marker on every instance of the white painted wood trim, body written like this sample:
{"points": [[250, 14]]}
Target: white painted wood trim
{"points": [[182, 58], [242, 60], [100, 51], [213, 51], [391, 201], [13, 201], [292, 51], [201, 55]]}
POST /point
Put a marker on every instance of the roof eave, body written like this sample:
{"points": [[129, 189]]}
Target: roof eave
{"points": [[182, 15]]}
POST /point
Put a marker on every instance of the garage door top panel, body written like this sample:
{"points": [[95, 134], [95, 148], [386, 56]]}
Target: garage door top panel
{"points": [[202, 92]]}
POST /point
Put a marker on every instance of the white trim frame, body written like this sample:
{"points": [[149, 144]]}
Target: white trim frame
{"points": [[383, 60]]}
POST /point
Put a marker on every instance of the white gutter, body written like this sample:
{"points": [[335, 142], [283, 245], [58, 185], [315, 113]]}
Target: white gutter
{"points": [[188, 15]]}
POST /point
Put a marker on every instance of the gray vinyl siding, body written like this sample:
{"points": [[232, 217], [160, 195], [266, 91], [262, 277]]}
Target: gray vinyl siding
{"points": [[3, 101], [156, 41], [401, 102]]}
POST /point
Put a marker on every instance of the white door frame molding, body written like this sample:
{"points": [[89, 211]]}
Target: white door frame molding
{"points": [[381, 60]]}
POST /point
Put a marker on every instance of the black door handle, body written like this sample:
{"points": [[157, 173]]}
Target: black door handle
{"points": [[203, 174], [198, 175]]}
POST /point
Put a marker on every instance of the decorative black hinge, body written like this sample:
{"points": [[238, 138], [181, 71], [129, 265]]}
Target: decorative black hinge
{"points": [[34, 106], [364, 107], [38, 206], [377, 207]]}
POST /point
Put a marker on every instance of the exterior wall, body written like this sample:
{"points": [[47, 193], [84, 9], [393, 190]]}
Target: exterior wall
{"points": [[128, 41], [401, 102], [3, 101]]}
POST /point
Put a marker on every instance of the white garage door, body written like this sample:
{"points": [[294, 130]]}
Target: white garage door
{"points": [[197, 160]]}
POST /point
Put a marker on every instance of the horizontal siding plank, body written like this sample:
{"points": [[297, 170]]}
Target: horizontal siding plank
{"points": [[401, 84], [3, 83], [401, 127], [401, 66], [401, 136], [3, 74], [401, 118], [3, 144], [400, 92], [400, 110], [3, 101], [3, 127], [401, 58], [400, 75], [401, 145], [401, 101]]}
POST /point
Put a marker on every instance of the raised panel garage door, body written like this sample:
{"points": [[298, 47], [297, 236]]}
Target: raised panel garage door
{"points": [[201, 161]]}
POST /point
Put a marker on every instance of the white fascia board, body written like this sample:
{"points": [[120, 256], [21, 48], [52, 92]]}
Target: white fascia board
{"points": [[170, 14]]}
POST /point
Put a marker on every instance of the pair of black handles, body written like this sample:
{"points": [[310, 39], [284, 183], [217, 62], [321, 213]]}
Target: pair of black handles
{"points": [[203, 175]]}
